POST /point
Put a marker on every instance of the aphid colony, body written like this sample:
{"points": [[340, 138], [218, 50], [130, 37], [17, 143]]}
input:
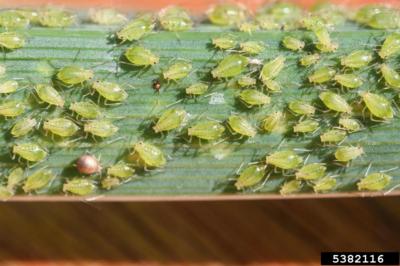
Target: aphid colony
{"points": [[342, 99]]}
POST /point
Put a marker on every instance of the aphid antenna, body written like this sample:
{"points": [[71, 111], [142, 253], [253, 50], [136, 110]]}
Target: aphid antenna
{"points": [[281, 143], [302, 150], [391, 189], [306, 160], [172, 104], [368, 169]]}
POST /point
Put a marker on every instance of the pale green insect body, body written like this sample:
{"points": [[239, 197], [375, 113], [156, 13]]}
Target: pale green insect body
{"points": [[272, 68], [291, 187], [30, 151], [306, 126], [274, 123], [335, 102], [12, 108], [9, 86], [140, 56], [207, 130], [267, 22], [11, 40], [30, 14], [309, 60], [350, 124], [38, 180], [301, 108], [350, 81], [324, 184], [80, 186], [121, 170], [357, 59], [246, 81], [170, 119], [175, 18], [49, 95], [273, 86], [391, 76], [5, 194], [391, 46], [110, 91], [149, 155], [293, 43], [136, 28], [311, 171], [333, 136], [377, 105], [110, 182], [322, 75], [252, 97], [226, 14], [250, 176], [248, 27], [348, 153], [374, 182], [387, 19], [55, 17], [23, 126], [240, 125], [62, 127], [107, 16], [286, 159], [324, 44], [101, 128], [196, 89], [365, 13], [252, 47], [86, 109], [178, 70], [74, 75], [14, 179], [232, 65], [12, 19], [224, 42]]}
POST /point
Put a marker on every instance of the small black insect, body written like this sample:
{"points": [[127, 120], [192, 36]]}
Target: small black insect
{"points": [[156, 85]]}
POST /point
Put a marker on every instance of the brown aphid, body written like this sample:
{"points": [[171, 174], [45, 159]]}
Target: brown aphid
{"points": [[88, 164], [156, 85]]}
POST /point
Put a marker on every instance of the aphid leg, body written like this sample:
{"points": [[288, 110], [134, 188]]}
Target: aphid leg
{"points": [[306, 160], [368, 168], [263, 183], [240, 168], [391, 189]]}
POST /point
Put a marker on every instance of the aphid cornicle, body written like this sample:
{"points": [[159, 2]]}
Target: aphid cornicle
{"points": [[272, 68], [148, 155], [61, 127], [322, 75], [240, 125], [140, 56], [335, 102], [309, 60], [178, 70], [79, 186], [11, 40], [374, 182], [333, 136], [49, 95], [169, 120], [252, 97], [23, 127], [15, 178], [252, 47], [348, 153], [286, 159], [207, 130], [29, 151], [38, 180], [324, 184], [250, 176], [293, 43], [357, 59], [106, 16], [136, 28], [246, 81], [311, 171], [306, 126], [9, 86], [55, 17], [196, 89], [110, 91], [224, 42], [100, 128], [88, 164], [274, 123], [350, 124], [110, 182], [350, 81], [291, 187], [301, 108], [391, 46], [225, 14], [73, 75], [175, 18], [121, 170], [232, 65], [86, 109], [391, 76], [377, 105], [12, 108]]}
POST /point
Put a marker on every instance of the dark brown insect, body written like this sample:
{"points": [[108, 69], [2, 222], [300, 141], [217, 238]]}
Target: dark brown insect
{"points": [[156, 85], [88, 164]]}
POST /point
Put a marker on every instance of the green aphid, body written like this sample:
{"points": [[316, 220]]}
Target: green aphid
{"points": [[350, 124], [73, 75], [273, 86], [311, 171], [324, 184], [49, 95], [13, 19], [30, 14], [333, 136], [365, 13], [327, 48], [306, 126], [331, 14], [178, 70], [347, 153], [140, 56], [267, 22], [322, 75], [252, 97], [232, 65], [110, 182], [149, 155], [15, 178], [23, 127], [9, 86], [226, 14], [12, 108], [106, 16], [291, 187], [350, 81], [61, 127], [391, 46], [272, 68], [246, 81], [287, 14], [377, 105], [86, 109], [274, 123], [293, 43], [38, 180], [196, 89], [30, 151], [110, 91], [79, 186], [136, 28], [374, 182], [11, 40], [240, 125], [391, 76], [286, 159], [252, 47], [121, 170], [100, 128], [250, 176], [324, 43], [309, 60], [54, 17], [175, 19], [5, 194], [335, 102], [388, 19], [207, 130], [224, 42], [357, 59], [169, 120], [312, 22], [248, 27], [301, 108]]}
